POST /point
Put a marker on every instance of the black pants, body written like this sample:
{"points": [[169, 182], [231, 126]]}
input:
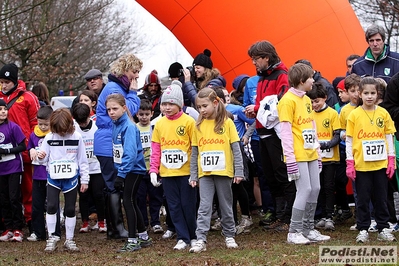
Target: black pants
{"points": [[367, 184], [96, 192], [327, 187], [275, 171], [155, 199], [10, 201], [268, 203], [341, 180], [240, 195], [133, 214], [39, 196]]}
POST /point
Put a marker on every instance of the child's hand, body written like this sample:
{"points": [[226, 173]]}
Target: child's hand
{"points": [[33, 154], [237, 179], [245, 140], [83, 187], [41, 154], [193, 183]]}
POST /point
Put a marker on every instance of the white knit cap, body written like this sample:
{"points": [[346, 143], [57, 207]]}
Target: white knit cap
{"points": [[173, 94]]}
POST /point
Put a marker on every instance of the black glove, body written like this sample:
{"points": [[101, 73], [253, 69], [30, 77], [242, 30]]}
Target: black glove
{"points": [[3, 151], [119, 183]]}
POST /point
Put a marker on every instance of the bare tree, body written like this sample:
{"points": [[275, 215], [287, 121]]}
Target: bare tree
{"points": [[382, 12], [57, 41]]}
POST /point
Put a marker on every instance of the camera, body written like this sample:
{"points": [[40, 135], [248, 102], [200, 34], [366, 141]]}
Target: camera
{"points": [[190, 68]]}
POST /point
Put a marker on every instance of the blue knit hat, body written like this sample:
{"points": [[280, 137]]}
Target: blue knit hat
{"points": [[237, 81]]}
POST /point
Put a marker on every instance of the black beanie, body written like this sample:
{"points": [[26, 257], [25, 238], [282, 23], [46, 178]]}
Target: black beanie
{"points": [[174, 70], [10, 72], [203, 59], [2, 102]]}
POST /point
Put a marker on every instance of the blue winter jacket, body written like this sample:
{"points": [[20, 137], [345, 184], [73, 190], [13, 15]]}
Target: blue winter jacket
{"points": [[103, 135], [386, 65], [250, 96], [126, 133]]}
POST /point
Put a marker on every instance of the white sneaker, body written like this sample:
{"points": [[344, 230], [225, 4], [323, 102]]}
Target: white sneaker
{"points": [[373, 226], [198, 247], [362, 237], [329, 224], [353, 227], [386, 235], [181, 245], [51, 244], [18, 236], [162, 211], [246, 221], [6, 236], [70, 245], [231, 243], [94, 227], [321, 224], [168, 234], [192, 242], [297, 238], [157, 229], [217, 225], [316, 236], [32, 238]]}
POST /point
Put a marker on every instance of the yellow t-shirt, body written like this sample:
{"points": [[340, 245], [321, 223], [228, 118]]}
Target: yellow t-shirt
{"points": [[145, 137], [175, 138], [369, 145], [326, 123], [298, 111], [215, 156], [343, 115]]}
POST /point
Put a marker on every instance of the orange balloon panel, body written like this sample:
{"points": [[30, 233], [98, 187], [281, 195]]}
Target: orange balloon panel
{"points": [[324, 32]]}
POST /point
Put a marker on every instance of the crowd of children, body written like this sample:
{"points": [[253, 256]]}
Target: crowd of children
{"points": [[190, 165]]}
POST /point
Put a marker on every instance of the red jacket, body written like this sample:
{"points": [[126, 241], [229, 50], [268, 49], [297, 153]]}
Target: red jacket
{"points": [[272, 81], [23, 112]]}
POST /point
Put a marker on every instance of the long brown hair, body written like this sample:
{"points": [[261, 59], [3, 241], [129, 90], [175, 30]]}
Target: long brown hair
{"points": [[41, 91], [221, 113]]}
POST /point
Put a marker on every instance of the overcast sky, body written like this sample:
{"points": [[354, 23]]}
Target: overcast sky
{"points": [[167, 49]]}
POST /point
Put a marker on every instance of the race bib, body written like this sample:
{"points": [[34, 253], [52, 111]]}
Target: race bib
{"points": [[118, 153], [309, 139], [374, 150], [62, 169], [327, 153], [6, 157], [173, 158], [91, 158], [145, 139], [213, 161], [36, 162]]}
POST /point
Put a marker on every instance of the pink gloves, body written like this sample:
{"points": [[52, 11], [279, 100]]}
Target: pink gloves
{"points": [[391, 167], [350, 169]]}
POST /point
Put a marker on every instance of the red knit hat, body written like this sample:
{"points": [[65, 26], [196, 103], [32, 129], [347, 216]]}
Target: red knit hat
{"points": [[152, 78]]}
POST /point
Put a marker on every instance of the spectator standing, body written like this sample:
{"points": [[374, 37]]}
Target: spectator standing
{"points": [[22, 109], [378, 61], [152, 91], [273, 80], [123, 76]]}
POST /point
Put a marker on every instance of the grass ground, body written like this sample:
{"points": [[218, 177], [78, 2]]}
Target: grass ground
{"points": [[256, 248]]}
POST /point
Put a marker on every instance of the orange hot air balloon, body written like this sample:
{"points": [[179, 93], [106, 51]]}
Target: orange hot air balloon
{"points": [[323, 31]]}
